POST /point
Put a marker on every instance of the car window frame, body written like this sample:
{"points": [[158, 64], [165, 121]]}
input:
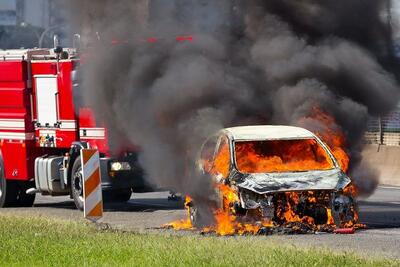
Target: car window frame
{"points": [[217, 147], [211, 138]]}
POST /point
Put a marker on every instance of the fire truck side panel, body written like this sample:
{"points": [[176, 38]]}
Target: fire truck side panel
{"points": [[13, 71], [18, 162], [59, 100], [16, 127], [89, 132]]}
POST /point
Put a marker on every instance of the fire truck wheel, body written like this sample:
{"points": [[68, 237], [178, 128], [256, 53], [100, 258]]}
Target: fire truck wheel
{"points": [[3, 187], [8, 193], [123, 195], [25, 200], [8, 190], [77, 184], [13, 194]]}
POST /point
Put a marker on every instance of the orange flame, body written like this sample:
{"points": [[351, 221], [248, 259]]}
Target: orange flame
{"points": [[183, 224], [226, 222], [331, 134], [281, 156]]}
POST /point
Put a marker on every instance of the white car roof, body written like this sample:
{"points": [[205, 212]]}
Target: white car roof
{"points": [[268, 132]]}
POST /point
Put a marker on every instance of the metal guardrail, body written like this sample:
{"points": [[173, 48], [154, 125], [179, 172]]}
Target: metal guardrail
{"points": [[384, 130]]}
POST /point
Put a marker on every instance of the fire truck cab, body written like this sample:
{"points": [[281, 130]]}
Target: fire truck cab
{"points": [[43, 127]]}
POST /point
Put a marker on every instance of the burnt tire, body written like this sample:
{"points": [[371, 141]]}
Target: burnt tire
{"points": [[77, 184], [195, 218], [344, 213], [118, 196], [201, 216], [318, 212]]}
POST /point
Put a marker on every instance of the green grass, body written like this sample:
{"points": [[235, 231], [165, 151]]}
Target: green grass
{"points": [[42, 242]]}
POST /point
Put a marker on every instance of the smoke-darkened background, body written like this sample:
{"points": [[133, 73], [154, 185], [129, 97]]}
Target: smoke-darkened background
{"points": [[250, 62]]}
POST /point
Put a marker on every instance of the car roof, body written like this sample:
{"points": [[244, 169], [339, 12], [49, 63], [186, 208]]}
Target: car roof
{"points": [[267, 132]]}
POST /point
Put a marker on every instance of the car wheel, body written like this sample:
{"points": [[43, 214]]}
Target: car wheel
{"points": [[318, 212], [194, 217], [77, 184], [344, 211], [201, 216]]}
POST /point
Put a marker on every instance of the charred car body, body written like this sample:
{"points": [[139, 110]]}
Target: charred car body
{"points": [[277, 173]]}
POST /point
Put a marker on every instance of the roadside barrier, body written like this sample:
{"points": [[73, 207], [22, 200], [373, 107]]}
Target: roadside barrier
{"points": [[92, 192]]}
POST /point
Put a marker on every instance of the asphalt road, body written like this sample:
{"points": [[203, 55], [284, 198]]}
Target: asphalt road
{"points": [[146, 212]]}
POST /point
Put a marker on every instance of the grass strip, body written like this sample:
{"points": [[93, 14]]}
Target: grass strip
{"points": [[43, 242]]}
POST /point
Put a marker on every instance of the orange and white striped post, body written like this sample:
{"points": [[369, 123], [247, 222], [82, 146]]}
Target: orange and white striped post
{"points": [[92, 193]]}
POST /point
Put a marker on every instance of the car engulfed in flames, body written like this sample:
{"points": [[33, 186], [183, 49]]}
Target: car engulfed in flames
{"points": [[274, 177]]}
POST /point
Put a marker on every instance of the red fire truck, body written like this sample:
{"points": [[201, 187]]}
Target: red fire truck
{"points": [[43, 128]]}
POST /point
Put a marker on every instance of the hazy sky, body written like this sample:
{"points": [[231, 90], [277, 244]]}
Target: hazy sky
{"points": [[7, 4]]}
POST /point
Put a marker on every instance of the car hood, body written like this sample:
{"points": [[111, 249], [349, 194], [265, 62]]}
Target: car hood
{"points": [[263, 183]]}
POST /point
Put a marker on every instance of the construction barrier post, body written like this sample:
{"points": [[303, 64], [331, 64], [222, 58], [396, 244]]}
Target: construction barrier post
{"points": [[92, 192]]}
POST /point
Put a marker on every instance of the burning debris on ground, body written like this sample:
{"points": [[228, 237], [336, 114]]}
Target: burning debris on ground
{"points": [[307, 63], [287, 223]]}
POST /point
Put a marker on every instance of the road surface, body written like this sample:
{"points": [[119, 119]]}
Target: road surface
{"points": [[380, 212]]}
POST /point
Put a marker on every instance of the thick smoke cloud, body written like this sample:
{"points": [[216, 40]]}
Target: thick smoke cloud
{"points": [[250, 62]]}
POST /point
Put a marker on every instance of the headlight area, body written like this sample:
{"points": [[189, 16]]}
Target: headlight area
{"points": [[116, 166]]}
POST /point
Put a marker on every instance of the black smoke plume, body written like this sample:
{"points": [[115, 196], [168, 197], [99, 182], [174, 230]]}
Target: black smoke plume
{"points": [[250, 62]]}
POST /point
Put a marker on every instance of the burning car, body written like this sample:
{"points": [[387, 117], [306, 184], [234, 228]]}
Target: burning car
{"points": [[274, 175]]}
